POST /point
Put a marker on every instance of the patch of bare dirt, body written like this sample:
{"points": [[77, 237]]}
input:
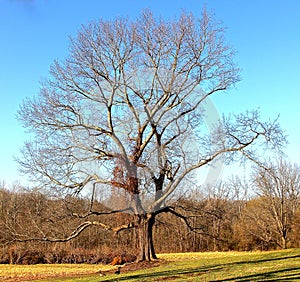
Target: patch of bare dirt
{"points": [[142, 265]]}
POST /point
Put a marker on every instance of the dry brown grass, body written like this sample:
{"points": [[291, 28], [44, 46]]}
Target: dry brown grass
{"points": [[44, 271]]}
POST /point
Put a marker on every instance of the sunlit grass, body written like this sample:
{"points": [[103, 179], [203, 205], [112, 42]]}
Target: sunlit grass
{"points": [[31, 272], [211, 266]]}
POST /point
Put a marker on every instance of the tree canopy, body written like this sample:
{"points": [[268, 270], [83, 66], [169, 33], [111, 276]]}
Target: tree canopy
{"points": [[124, 113]]}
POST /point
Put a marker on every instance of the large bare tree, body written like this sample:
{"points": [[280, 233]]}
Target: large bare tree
{"points": [[123, 114]]}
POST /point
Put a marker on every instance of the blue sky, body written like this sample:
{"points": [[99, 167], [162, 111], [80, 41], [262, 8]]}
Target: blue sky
{"points": [[265, 33]]}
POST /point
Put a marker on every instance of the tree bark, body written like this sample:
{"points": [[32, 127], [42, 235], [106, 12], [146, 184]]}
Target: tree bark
{"points": [[145, 224], [283, 240]]}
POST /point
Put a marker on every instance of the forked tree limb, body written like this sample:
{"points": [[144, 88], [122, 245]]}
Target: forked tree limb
{"points": [[101, 213], [185, 219], [79, 229]]}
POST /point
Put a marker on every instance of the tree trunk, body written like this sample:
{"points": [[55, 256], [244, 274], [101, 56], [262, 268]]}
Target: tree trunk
{"points": [[283, 240], [145, 224]]}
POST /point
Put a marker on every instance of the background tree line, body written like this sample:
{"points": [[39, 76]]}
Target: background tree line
{"points": [[219, 218]]}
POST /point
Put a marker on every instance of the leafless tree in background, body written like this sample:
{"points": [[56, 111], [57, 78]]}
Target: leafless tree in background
{"points": [[279, 187], [123, 112]]}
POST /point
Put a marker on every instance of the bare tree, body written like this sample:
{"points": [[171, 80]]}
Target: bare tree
{"points": [[279, 186], [122, 114]]}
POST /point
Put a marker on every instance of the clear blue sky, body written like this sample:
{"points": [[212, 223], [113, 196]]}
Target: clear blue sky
{"points": [[266, 34]]}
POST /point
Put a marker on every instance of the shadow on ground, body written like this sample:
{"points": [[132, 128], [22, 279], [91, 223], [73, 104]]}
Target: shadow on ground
{"points": [[287, 274]]}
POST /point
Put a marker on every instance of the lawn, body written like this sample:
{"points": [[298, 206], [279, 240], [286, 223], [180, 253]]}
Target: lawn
{"points": [[213, 266]]}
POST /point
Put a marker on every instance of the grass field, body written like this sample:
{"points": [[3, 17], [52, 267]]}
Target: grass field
{"points": [[229, 266]]}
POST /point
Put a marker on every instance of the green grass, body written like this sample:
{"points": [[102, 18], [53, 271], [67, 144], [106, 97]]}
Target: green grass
{"points": [[229, 266]]}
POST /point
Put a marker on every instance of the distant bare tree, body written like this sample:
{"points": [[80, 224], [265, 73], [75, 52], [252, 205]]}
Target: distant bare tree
{"points": [[279, 186], [122, 114]]}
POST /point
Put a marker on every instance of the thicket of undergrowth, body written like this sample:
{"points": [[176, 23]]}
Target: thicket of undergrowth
{"points": [[33, 254]]}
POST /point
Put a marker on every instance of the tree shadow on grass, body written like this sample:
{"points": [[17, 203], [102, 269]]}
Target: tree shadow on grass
{"points": [[166, 274], [267, 259], [288, 274], [268, 276]]}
